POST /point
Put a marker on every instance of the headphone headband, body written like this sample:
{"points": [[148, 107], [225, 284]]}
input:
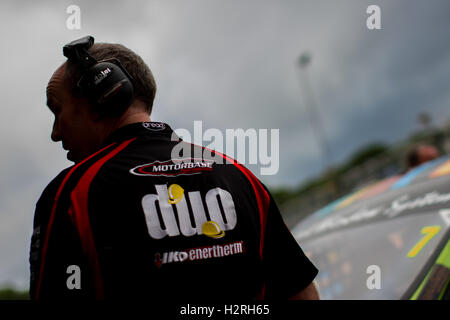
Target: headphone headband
{"points": [[77, 51]]}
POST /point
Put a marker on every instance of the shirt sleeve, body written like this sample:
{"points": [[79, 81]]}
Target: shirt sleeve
{"points": [[287, 269], [63, 248], [41, 217]]}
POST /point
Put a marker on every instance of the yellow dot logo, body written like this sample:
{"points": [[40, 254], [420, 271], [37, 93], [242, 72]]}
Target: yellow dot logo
{"points": [[212, 230], [176, 193]]}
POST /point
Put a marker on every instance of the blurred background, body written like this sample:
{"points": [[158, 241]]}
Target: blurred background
{"points": [[349, 101]]}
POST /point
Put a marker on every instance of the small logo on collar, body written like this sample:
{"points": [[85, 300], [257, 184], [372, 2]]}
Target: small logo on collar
{"points": [[154, 126]]}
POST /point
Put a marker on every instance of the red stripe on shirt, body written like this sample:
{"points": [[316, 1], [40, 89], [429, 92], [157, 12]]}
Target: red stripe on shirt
{"points": [[263, 201], [80, 215], [52, 217], [262, 197]]}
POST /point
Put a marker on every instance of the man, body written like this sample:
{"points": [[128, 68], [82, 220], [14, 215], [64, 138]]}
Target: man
{"points": [[420, 154], [131, 220]]}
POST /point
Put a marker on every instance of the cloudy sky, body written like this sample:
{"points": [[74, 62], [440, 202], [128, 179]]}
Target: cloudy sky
{"points": [[231, 64]]}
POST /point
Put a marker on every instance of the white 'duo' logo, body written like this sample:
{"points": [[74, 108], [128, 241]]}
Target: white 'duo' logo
{"points": [[165, 201]]}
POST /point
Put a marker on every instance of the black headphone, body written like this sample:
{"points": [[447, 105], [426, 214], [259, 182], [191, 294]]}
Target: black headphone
{"points": [[106, 84]]}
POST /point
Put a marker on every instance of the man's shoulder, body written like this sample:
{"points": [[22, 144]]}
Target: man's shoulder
{"points": [[53, 185]]}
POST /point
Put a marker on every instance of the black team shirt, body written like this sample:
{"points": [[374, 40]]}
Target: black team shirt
{"points": [[132, 221]]}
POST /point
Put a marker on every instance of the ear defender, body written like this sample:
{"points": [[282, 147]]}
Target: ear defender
{"points": [[106, 84]]}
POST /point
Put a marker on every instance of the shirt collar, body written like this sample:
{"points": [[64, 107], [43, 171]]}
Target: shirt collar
{"points": [[147, 129]]}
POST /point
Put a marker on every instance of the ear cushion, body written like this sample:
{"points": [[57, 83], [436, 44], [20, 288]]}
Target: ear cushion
{"points": [[108, 88]]}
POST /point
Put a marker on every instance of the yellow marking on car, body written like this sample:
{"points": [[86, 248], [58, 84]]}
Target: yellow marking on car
{"points": [[442, 170], [429, 232], [442, 260], [353, 197]]}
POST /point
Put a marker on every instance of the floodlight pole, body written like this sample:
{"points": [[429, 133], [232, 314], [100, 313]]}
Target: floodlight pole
{"points": [[313, 110]]}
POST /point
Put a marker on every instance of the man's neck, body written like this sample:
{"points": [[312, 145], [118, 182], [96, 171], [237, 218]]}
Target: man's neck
{"points": [[132, 115], [139, 116]]}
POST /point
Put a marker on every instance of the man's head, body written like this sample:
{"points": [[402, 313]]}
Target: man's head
{"points": [[78, 124], [421, 154], [143, 82]]}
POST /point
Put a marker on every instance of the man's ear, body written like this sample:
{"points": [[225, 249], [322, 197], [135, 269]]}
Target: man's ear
{"points": [[88, 108], [94, 114]]}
